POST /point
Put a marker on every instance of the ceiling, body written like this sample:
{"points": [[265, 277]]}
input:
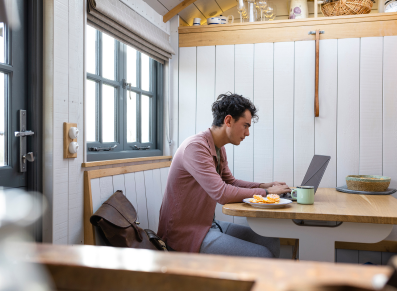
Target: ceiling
{"points": [[200, 9], [208, 8]]}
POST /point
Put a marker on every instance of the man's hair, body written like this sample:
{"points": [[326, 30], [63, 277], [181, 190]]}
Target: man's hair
{"points": [[231, 104]]}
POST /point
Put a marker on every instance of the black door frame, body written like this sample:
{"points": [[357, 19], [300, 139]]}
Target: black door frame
{"points": [[35, 103]]}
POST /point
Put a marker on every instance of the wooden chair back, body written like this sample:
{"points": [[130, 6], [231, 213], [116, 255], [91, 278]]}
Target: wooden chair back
{"points": [[143, 185]]}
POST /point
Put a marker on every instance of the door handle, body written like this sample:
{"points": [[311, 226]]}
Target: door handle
{"points": [[24, 133], [29, 157]]}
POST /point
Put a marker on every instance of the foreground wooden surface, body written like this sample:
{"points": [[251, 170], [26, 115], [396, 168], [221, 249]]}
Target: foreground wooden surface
{"points": [[329, 205], [105, 268], [338, 27]]}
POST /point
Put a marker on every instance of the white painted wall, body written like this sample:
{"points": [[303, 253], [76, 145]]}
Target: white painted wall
{"points": [[64, 77], [358, 110]]}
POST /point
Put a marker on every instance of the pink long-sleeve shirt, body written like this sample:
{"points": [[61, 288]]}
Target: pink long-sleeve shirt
{"points": [[193, 189]]}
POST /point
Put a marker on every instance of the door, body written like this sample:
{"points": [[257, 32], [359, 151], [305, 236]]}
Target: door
{"points": [[13, 91]]}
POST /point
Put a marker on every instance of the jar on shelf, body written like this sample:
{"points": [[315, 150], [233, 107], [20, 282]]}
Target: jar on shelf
{"points": [[298, 9]]}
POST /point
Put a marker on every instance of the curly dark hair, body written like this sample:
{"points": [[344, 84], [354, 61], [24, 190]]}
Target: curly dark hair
{"points": [[234, 105]]}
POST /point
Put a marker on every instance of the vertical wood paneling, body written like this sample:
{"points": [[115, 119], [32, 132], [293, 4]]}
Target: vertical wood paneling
{"points": [[303, 109], [348, 127], [158, 196], [164, 177], [106, 188], [244, 85], [205, 86], [390, 109], [370, 257], [371, 64], [346, 256], [96, 197], [130, 191], [325, 124], [263, 100], [141, 200], [224, 82], [187, 92], [283, 112], [118, 183], [150, 200], [386, 257]]}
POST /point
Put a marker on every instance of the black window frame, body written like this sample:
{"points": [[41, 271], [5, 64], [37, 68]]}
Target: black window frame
{"points": [[125, 149]]}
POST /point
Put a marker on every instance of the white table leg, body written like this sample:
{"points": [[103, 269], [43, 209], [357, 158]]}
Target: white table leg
{"points": [[317, 243]]}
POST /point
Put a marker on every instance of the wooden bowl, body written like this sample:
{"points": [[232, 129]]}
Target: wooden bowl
{"points": [[367, 183]]}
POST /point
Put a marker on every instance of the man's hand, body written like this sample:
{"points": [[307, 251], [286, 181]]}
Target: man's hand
{"points": [[279, 189], [271, 184]]}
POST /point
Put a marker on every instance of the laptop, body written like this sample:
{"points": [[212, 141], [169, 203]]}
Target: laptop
{"points": [[314, 173]]}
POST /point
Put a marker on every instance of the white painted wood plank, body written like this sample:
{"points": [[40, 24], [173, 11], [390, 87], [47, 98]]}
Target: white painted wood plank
{"points": [[390, 110], [141, 200], [348, 127], [346, 256], [174, 87], [96, 194], [224, 82], [240, 220], [158, 196], [303, 110], [283, 112], [286, 252], [325, 124], [152, 211], [130, 191], [164, 177], [208, 7], [191, 12], [386, 256], [187, 92], [205, 86], [221, 216], [370, 257], [263, 100], [118, 183], [106, 188], [244, 85], [371, 65]]}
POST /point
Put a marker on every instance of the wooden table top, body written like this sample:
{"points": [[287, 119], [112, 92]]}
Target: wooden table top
{"points": [[329, 205], [82, 267]]}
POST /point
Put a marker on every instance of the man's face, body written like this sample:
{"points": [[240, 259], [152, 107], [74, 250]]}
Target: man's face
{"points": [[238, 130]]}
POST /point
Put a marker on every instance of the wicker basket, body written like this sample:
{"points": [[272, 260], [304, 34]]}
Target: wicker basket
{"points": [[346, 7]]}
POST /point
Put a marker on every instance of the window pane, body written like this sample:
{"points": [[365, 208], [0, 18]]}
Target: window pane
{"points": [[145, 119], [145, 75], [2, 42], [108, 53], [108, 113], [131, 66], [131, 117], [3, 159], [91, 49], [91, 111]]}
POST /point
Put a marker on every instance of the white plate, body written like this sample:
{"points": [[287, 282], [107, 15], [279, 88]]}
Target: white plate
{"points": [[283, 202]]}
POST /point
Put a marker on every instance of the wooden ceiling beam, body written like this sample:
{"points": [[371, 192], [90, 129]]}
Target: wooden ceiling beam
{"points": [[178, 8]]}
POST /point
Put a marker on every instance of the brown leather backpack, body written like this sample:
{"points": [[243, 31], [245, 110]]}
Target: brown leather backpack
{"points": [[117, 219]]}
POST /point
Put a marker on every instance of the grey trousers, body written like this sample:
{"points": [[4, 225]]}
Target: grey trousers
{"points": [[238, 240]]}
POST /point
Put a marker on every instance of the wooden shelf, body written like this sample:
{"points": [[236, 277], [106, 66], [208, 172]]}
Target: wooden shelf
{"points": [[351, 26]]}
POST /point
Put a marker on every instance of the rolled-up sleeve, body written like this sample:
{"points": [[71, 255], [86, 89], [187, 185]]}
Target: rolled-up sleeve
{"points": [[198, 161]]}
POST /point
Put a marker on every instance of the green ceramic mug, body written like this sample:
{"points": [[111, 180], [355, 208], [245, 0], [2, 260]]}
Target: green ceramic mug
{"points": [[304, 194]]}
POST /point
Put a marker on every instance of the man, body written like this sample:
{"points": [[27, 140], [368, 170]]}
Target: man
{"points": [[199, 178]]}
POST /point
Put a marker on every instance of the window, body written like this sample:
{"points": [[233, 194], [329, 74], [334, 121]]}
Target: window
{"points": [[123, 100]]}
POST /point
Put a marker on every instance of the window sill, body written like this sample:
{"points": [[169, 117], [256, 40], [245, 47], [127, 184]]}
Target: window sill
{"points": [[112, 158]]}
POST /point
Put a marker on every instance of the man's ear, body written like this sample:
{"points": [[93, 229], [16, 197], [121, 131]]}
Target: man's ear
{"points": [[228, 120]]}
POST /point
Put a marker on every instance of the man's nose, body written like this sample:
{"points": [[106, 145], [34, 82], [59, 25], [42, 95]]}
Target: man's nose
{"points": [[247, 132]]}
